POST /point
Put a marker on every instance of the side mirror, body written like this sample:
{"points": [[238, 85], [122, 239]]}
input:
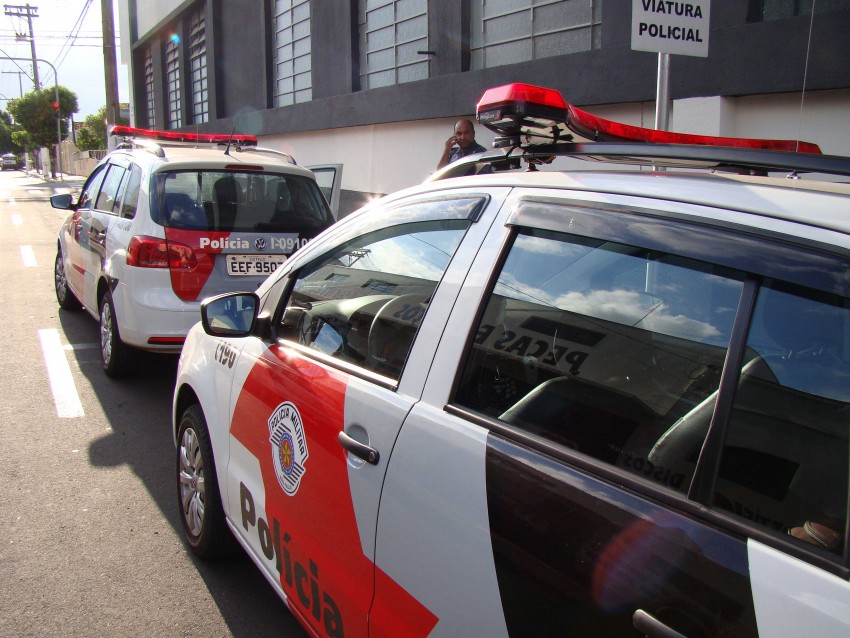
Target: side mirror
{"points": [[63, 201], [230, 315]]}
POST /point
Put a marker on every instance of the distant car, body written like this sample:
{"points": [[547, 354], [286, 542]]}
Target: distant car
{"points": [[10, 162], [161, 224], [585, 403]]}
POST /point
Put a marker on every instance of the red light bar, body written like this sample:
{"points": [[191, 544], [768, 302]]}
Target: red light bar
{"points": [[186, 138], [523, 109]]}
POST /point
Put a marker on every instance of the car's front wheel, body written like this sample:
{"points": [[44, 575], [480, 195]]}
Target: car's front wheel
{"points": [[202, 514], [118, 358], [64, 295]]}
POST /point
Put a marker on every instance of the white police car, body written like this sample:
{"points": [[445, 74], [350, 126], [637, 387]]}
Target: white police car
{"points": [[595, 403], [170, 218]]}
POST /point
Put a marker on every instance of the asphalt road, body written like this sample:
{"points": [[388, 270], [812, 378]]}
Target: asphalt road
{"points": [[89, 531]]}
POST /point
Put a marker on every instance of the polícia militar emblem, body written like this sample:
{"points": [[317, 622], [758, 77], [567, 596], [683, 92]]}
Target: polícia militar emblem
{"points": [[289, 446]]}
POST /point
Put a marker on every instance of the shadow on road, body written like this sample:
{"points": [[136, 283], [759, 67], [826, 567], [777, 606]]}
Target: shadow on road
{"points": [[138, 410]]}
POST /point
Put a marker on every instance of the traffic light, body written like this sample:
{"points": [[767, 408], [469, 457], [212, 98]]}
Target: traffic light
{"points": [[56, 106]]}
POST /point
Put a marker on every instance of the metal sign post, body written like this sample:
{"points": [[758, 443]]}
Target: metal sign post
{"points": [[679, 28]]}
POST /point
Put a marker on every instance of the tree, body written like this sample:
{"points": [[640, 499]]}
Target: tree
{"points": [[36, 112], [92, 133], [8, 143]]}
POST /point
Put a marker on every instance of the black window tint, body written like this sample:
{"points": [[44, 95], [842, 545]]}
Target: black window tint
{"points": [[363, 302], [247, 202], [600, 346], [130, 201], [91, 188], [108, 196], [785, 457]]}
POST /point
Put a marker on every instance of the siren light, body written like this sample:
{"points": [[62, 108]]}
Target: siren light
{"points": [[516, 110], [181, 137]]}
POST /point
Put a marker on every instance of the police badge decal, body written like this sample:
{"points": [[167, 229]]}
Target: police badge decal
{"points": [[289, 446]]}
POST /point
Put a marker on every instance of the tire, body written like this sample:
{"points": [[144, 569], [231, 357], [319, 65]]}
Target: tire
{"points": [[119, 359], [64, 295], [198, 496]]}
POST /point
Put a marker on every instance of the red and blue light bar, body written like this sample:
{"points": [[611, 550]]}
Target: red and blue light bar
{"points": [[183, 138], [523, 109]]}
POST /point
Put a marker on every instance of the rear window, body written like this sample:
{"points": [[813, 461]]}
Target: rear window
{"points": [[233, 201]]}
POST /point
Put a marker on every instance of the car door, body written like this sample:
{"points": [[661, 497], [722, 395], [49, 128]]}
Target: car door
{"points": [[76, 241], [94, 225], [315, 413], [626, 444], [329, 179]]}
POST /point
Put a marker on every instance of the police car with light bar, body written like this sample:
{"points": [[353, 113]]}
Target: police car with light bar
{"points": [[544, 403], [169, 218]]}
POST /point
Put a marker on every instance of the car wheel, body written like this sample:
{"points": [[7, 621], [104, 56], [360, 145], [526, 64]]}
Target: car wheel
{"points": [[67, 299], [202, 514], [118, 358]]}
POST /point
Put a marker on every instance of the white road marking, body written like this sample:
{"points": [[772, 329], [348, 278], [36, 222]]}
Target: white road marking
{"points": [[62, 385], [16, 220], [28, 256]]}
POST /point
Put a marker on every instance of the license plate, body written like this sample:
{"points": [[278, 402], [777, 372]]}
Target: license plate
{"points": [[239, 265]]}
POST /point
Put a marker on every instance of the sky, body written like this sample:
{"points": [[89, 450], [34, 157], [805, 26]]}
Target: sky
{"points": [[69, 35]]}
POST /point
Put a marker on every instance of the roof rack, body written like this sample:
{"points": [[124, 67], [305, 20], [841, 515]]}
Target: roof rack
{"points": [[542, 125]]}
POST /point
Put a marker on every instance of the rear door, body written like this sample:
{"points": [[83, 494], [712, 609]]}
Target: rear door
{"points": [[627, 443], [316, 412], [329, 179], [78, 240]]}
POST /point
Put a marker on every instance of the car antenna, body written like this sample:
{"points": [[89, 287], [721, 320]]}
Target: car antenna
{"points": [[230, 139]]}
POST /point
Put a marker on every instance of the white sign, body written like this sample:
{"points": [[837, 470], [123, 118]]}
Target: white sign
{"points": [[664, 26]]}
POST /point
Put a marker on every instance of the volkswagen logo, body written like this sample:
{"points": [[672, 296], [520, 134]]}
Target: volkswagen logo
{"points": [[260, 243]]}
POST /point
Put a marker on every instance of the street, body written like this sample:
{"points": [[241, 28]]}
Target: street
{"points": [[90, 532]]}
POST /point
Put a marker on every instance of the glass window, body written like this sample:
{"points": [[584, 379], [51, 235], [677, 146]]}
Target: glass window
{"points": [[149, 90], [233, 201], [108, 196], [392, 32], [363, 302], [172, 79], [198, 67], [785, 456], [600, 347], [131, 193], [92, 186], [507, 32], [292, 52]]}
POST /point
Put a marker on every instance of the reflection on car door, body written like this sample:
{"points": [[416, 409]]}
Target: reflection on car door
{"points": [[77, 243]]}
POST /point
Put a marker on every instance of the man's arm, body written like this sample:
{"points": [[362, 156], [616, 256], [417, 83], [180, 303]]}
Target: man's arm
{"points": [[446, 152]]}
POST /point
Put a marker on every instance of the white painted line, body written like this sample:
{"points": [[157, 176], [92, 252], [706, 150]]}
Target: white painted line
{"points": [[62, 385], [28, 256], [16, 220]]}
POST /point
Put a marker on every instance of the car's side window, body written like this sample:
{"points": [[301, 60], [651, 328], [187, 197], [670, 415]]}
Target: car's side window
{"points": [[784, 462], [108, 195], [363, 301], [130, 199], [91, 188], [600, 347]]}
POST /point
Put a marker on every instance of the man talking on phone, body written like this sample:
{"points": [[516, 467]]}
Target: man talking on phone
{"points": [[461, 144]]}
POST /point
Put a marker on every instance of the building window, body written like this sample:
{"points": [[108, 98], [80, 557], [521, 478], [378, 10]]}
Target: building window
{"points": [[293, 80], [172, 80], [511, 31], [198, 67], [149, 95], [392, 32], [767, 10]]}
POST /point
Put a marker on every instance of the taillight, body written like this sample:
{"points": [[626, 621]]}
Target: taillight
{"points": [[152, 252]]}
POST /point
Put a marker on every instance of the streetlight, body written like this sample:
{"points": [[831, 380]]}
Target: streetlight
{"points": [[56, 102]]}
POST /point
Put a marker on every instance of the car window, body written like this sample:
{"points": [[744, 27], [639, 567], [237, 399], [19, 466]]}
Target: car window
{"points": [[600, 346], [91, 188], [784, 462], [130, 200], [363, 301], [233, 201], [108, 196]]}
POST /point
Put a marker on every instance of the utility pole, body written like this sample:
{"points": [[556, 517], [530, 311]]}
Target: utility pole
{"points": [[110, 66], [29, 13]]}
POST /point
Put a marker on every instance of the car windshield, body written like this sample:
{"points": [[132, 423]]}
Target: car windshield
{"points": [[238, 201]]}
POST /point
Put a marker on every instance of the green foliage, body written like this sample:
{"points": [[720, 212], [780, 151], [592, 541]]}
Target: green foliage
{"points": [[35, 113], [92, 133], [8, 143]]}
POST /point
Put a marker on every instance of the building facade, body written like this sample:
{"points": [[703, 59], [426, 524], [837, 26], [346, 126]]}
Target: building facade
{"points": [[376, 85]]}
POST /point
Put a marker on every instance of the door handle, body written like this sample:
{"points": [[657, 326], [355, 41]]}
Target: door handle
{"points": [[358, 449], [649, 625]]}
